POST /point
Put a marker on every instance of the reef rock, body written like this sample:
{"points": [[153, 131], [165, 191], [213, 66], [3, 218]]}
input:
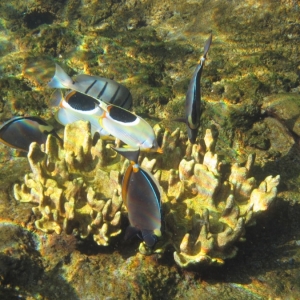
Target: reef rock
{"points": [[72, 190]]}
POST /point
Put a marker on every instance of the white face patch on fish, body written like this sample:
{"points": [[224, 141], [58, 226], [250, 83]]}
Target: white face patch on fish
{"points": [[68, 114], [128, 127]]}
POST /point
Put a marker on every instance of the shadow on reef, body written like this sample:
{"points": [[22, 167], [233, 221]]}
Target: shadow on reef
{"points": [[270, 246], [23, 277], [268, 255], [126, 248], [287, 166]]}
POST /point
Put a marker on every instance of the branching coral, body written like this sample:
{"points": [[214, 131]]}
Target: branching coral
{"points": [[218, 210], [205, 211], [72, 192]]}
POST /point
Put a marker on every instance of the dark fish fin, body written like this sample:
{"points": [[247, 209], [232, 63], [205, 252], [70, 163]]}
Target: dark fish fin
{"points": [[130, 153], [207, 45], [130, 232], [20, 132], [182, 120], [149, 237]]}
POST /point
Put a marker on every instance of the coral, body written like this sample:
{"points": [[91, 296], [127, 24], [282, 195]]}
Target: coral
{"points": [[71, 188], [217, 207], [206, 207], [206, 210]]}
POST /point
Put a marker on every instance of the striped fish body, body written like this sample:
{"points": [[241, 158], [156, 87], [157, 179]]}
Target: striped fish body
{"points": [[129, 128], [99, 88], [193, 97], [141, 196]]}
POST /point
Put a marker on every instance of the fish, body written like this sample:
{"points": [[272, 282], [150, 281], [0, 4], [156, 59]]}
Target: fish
{"points": [[193, 97], [75, 106], [20, 132], [141, 195], [128, 127], [107, 119], [99, 88]]}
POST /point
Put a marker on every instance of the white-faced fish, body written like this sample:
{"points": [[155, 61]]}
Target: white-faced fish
{"points": [[100, 88], [20, 132], [193, 97], [107, 119], [142, 198], [76, 106], [128, 127]]}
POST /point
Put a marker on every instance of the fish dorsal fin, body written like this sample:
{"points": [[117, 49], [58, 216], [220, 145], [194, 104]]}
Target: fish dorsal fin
{"points": [[60, 79], [132, 154], [154, 185], [182, 120], [207, 45]]}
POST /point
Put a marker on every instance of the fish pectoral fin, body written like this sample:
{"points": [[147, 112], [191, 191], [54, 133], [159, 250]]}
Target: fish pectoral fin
{"points": [[130, 232], [56, 98], [149, 237], [182, 120]]}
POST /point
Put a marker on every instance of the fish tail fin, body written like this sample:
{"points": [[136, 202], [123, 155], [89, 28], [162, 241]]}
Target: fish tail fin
{"points": [[60, 79], [149, 237], [132, 154]]}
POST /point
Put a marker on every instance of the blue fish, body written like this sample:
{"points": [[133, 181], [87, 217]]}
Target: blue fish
{"points": [[141, 196], [193, 97], [100, 88], [20, 132]]}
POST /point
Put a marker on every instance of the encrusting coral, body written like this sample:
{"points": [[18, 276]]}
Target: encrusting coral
{"points": [[205, 211], [72, 190]]}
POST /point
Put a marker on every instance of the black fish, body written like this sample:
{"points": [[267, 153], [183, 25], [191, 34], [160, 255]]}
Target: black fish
{"points": [[193, 97], [20, 132]]}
